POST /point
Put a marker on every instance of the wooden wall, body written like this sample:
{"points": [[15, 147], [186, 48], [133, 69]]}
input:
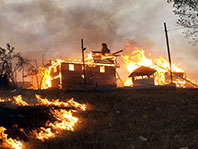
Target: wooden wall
{"points": [[94, 78]]}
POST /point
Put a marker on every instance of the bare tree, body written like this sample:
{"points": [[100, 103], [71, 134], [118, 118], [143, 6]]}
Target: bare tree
{"points": [[187, 10], [10, 63]]}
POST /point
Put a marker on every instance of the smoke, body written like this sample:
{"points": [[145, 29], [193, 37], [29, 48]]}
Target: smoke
{"points": [[54, 27], [47, 26]]}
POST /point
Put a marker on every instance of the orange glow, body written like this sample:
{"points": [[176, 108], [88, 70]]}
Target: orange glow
{"points": [[92, 60], [76, 104], [138, 58], [69, 103], [64, 119], [19, 101], [44, 133], [9, 142]]}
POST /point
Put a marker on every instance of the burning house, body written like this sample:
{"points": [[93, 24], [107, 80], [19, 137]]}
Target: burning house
{"points": [[143, 76], [98, 70], [149, 71]]}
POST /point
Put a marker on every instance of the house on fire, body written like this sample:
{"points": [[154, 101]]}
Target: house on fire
{"points": [[143, 76], [146, 76], [100, 71]]}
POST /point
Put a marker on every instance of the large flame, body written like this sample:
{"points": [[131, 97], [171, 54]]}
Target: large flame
{"points": [[161, 65], [44, 73], [65, 121], [9, 142]]}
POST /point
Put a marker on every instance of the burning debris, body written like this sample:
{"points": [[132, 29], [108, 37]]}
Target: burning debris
{"points": [[161, 76], [100, 71], [62, 119]]}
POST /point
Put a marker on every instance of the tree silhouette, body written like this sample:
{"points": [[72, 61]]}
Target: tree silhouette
{"points": [[10, 63], [187, 10]]}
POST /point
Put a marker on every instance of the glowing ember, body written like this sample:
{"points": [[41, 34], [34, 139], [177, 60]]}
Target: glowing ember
{"points": [[9, 142], [161, 65], [4, 100], [19, 101]]}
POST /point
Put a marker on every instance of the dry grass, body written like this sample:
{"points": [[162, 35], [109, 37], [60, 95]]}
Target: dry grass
{"points": [[154, 118]]}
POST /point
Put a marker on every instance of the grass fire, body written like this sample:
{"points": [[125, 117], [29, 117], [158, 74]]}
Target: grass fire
{"points": [[98, 74], [60, 111]]}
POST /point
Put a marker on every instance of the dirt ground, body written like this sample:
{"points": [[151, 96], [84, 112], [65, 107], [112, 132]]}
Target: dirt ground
{"points": [[128, 119]]}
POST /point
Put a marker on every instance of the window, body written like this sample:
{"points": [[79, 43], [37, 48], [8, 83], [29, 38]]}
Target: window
{"points": [[71, 67], [102, 69]]}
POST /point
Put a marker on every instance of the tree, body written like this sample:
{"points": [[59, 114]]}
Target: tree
{"points": [[187, 10], [10, 63]]}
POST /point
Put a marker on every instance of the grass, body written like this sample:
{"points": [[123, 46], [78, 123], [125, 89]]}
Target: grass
{"points": [[152, 118]]}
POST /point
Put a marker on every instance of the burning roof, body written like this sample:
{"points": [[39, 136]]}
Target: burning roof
{"points": [[54, 70], [141, 71], [137, 59]]}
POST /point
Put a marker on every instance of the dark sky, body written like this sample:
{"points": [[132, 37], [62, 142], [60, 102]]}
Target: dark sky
{"points": [[54, 28]]}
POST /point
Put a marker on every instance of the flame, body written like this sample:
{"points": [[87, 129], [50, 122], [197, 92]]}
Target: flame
{"points": [[76, 104], [19, 101], [44, 73], [64, 119], [69, 103], [44, 133], [161, 65], [46, 102], [9, 142]]}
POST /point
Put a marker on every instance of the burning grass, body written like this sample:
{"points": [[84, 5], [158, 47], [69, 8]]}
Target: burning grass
{"points": [[144, 118], [64, 120]]}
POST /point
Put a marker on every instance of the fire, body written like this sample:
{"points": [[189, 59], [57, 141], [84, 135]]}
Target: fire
{"points": [[19, 101], [76, 104], [64, 119], [5, 100], [44, 133], [161, 65], [69, 103], [9, 142], [46, 102], [45, 78]]}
